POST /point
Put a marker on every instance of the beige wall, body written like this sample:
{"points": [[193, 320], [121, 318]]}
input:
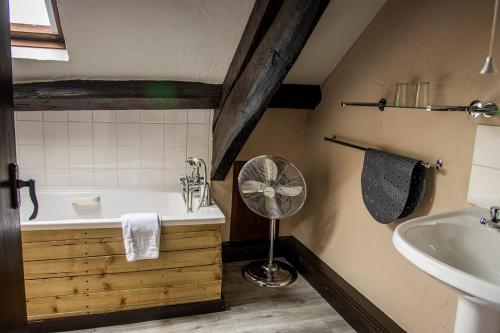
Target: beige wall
{"points": [[438, 41], [280, 132]]}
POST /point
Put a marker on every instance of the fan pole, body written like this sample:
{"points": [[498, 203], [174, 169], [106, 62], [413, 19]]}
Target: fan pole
{"points": [[272, 235]]}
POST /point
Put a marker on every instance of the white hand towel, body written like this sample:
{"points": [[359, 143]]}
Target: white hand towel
{"points": [[141, 235]]}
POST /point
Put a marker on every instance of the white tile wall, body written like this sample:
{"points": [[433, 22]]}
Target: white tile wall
{"points": [[130, 148], [484, 184]]}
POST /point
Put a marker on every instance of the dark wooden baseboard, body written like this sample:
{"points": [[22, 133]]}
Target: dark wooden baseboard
{"points": [[357, 310], [124, 317]]}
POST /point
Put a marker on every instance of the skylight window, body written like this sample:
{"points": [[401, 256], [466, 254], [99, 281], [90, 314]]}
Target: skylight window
{"points": [[36, 23], [29, 12]]}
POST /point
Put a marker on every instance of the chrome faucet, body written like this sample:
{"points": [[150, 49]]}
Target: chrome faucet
{"points": [[187, 193], [196, 183], [495, 218]]}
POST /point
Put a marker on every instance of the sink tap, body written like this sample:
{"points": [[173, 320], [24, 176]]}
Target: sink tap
{"points": [[495, 218]]}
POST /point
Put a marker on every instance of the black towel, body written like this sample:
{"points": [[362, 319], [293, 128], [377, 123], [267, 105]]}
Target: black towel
{"points": [[392, 185]]}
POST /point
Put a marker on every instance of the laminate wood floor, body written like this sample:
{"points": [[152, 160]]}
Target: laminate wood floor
{"points": [[297, 308]]}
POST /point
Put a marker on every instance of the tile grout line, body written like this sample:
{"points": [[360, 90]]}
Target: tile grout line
{"points": [[140, 148], [92, 146], [43, 151], [67, 151], [117, 184]]}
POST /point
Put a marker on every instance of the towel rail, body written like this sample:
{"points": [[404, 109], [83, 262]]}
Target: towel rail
{"points": [[439, 165]]}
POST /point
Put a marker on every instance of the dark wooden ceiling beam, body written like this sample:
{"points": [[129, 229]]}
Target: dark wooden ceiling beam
{"points": [[261, 18], [261, 78], [143, 95], [296, 96], [115, 95]]}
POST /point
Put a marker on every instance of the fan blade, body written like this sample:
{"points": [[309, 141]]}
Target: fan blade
{"points": [[272, 207], [252, 186], [290, 191], [271, 170]]}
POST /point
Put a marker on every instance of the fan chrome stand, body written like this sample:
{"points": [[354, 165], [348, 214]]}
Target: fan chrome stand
{"points": [[270, 273]]}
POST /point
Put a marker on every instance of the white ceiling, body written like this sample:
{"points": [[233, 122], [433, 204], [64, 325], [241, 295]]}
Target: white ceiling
{"points": [[188, 40], [338, 28]]}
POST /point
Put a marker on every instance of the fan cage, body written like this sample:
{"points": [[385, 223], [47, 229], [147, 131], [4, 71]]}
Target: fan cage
{"points": [[282, 176]]}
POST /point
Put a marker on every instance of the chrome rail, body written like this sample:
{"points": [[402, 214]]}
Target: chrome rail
{"points": [[475, 108]]}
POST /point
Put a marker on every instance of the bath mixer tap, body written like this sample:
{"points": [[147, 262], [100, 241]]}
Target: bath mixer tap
{"points": [[196, 183], [187, 193], [495, 218]]}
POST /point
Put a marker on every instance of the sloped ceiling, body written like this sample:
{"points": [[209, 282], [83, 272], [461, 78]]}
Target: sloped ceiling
{"points": [[188, 40], [339, 27]]}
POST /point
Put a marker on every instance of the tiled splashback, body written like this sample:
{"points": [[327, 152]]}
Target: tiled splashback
{"points": [[128, 148], [484, 184]]}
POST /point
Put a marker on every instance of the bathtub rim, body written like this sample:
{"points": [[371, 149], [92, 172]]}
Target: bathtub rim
{"points": [[205, 215]]}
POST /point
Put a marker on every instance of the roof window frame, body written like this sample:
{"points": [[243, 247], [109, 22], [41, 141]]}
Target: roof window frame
{"points": [[40, 36]]}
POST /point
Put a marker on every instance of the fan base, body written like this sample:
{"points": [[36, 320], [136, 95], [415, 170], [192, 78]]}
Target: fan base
{"points": [[278, 275]]}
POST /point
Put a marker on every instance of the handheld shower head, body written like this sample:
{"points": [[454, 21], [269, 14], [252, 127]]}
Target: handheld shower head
{"points": [[194, 161]]}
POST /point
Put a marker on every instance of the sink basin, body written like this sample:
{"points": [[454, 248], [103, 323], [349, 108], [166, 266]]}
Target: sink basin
{"points": [[462, 253]]}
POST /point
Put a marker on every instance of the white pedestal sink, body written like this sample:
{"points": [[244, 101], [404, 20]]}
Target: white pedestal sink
{"points": [[462, 253]]}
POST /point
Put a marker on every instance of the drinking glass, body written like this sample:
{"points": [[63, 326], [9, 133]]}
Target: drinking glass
{"points": [[402, 97], [422, 94]]}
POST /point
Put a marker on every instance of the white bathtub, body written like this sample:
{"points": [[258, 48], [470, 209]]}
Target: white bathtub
{"points": [[102, 208]]}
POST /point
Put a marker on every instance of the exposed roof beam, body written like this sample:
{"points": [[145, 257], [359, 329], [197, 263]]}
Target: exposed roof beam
{"points": [[115, 95], [260, 79], [261, 18], [296, 96], [143, 95]]}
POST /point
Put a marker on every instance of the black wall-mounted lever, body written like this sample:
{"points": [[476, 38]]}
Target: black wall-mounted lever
{"points": [[15, 184]]}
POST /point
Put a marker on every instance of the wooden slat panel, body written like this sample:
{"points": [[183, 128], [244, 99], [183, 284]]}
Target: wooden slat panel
{"points": [[63, 234], [60, 306], [114, 246], [116, 264], [135, 307], [121, 281]]}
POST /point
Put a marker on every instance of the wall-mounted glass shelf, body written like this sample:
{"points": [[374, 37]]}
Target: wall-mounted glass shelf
{"points": [[475, 108]]}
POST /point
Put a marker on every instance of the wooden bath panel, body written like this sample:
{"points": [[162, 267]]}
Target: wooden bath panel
{"points": [[71, 305], [84, 271], [92, 247], [122, 281], [67, 234], [118, 263]]}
